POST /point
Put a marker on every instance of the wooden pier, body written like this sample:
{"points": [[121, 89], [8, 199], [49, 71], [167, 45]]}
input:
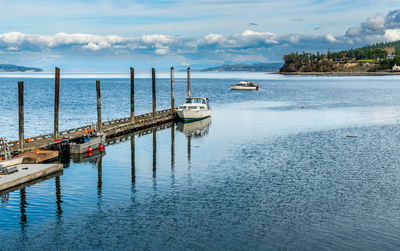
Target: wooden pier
{"points": [[27, 173], [110, 128]]}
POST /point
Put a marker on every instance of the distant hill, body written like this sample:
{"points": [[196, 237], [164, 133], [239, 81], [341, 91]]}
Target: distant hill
{"points": [[260, 67], [380, 57], [17, 68]]}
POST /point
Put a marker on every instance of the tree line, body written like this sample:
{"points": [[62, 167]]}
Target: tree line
{"points": [[376, 55]]}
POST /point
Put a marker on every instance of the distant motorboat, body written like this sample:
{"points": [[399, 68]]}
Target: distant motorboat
{"points": [[194, 109], [244, 85]]}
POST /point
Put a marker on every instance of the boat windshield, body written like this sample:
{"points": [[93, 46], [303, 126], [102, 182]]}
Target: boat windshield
{"points": [[195, 101]]}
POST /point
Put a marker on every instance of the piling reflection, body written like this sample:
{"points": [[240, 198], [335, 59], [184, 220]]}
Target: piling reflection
{"points": [[58, 198], [154, 154], [195, 129], [173, 147], [100, 177], [133, 160], [22, 207]]}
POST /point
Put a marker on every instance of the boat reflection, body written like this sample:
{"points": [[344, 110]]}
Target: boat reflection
{"points": [[196, 129], [92, 157]]}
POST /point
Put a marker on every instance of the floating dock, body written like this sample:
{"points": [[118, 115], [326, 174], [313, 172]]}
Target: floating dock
{"points": [[27, 173], [110, 128]]}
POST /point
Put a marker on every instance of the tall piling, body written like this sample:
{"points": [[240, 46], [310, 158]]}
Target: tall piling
{"points": [[98, 91], [153, 77], [56, 101], [172, 91], [132, 95], [188, 82], [21, 113]]}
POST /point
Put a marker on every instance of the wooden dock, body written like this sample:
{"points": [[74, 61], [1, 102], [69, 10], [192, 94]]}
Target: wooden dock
{"points": [[27, 173], [110, 128]]}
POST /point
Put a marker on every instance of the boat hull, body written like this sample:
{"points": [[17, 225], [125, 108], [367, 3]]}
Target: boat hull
{"points": [[234, 87], [193, 115], [94, 143], [11, 162]]}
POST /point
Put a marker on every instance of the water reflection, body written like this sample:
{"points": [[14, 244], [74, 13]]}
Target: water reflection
{"points": [[194, 129], [99, 177], [22, 207], [133, 171], [58, 197], [154, 154], [92, 157]]}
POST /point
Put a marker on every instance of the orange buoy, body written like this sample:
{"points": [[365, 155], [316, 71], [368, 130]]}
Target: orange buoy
{"points": [[101, 148], [90, 154], [37, 151], [90, 149]]}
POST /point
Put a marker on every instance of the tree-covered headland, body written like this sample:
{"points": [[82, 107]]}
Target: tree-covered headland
{"points": [[373, 58]]}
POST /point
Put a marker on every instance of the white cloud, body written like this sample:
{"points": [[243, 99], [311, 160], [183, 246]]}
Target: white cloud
{"points": [[392, 35], [330, 38], [91, 46], [214, 38], [157, 38]]}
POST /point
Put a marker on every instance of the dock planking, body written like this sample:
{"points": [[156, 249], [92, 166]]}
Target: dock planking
{"points": [[27, 173]]}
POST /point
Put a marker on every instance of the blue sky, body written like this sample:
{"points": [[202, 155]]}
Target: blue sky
{"points": [[99, 36]]}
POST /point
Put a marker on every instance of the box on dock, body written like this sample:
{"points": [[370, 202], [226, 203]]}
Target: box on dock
{"points": [[8, 170]]}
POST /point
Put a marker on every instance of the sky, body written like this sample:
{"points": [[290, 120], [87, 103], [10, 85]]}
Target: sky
{"points": [[111, 36]]}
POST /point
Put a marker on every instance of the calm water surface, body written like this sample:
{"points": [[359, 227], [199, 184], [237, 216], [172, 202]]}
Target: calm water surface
{"points": [[272, 169]]}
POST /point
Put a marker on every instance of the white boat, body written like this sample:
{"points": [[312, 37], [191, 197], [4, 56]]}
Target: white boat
{"points": [[194, 109], [7, 157], [11, 162], [244, 85]]}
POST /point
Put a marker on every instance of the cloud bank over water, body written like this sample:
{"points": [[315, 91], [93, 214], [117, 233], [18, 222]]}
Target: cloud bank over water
{"points": [[252, 43]]}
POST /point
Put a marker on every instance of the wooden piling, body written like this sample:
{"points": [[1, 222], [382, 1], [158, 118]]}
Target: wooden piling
{"points": [[56, 101], [188, 82], [172, 90], [153, 77], [132, 95], [98, 106], [21, 113]]}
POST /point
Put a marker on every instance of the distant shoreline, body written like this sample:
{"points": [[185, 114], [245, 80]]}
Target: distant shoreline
{"points": [[340, 73]]}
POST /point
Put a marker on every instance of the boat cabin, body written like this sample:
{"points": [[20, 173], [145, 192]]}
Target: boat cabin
{"points": [[196, 103]]}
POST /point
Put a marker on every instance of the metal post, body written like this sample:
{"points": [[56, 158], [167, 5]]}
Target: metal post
{"points": [[153, 76], [172, 91], [56, 101], [21, 113], [132, 95], [98, 106], [188, 81]]}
